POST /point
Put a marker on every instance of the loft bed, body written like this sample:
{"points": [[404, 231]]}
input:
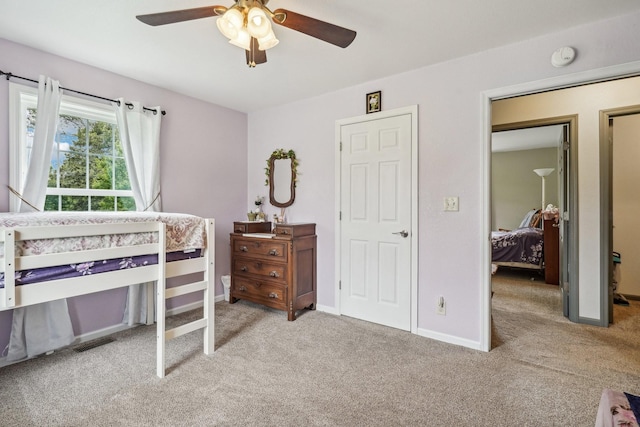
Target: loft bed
{"points": [[50, 256], [522, 247]]}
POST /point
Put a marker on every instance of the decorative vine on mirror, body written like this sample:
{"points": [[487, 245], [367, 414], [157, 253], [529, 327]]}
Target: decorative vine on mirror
{"points": [[282, 175]]}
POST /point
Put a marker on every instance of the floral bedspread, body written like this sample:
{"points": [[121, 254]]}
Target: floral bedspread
{"points": [[523, 245], [183, 231]]}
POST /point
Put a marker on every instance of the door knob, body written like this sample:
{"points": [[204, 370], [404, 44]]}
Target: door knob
{"points": [[403, 233]]}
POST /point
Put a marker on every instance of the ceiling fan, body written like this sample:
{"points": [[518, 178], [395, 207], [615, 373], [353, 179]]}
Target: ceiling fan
{"points": [[247, 25]]}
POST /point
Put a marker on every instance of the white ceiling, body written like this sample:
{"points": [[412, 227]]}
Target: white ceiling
{"points": [[193, 58], [526, 139]]}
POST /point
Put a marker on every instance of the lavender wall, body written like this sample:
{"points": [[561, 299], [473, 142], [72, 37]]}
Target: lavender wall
{"points": [[450, 155], [203, 162], [451, 161]]}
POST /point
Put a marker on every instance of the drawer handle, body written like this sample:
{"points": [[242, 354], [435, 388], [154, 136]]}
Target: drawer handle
{"points": [[284, 231], [243, 249], [274, 274], [273, 295], [242, 289], [238, 230], [273, 252], [244, 268]]}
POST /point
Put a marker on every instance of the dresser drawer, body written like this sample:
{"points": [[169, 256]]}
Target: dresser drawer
{"points": [[251, 227], [271, 270], [267, 248], [260, 291], [294, 230]]}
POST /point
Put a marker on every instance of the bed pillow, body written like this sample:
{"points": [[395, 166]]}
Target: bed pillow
{"points": [[531, 219]]}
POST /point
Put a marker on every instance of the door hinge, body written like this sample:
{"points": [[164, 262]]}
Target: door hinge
{"points": [[340, 145], [340, 284], [566, 145]]}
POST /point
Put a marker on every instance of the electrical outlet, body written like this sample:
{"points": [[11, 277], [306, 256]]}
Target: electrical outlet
{"points": [[451, 204], [442, 307]]}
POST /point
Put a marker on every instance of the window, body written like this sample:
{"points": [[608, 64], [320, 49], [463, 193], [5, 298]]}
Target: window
{"points": [[88, 171]]}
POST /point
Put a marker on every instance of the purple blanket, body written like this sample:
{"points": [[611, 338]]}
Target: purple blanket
{"points": [[94, 267], [523, 245]]}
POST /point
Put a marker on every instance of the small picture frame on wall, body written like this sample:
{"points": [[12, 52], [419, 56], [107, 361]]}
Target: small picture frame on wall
{"points": [[374, 102]]}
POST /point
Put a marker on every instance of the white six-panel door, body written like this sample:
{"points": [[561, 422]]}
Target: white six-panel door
{"points": [[376, 222]]}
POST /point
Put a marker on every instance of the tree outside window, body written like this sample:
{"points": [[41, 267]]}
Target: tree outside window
{"points": [[88, 170]]}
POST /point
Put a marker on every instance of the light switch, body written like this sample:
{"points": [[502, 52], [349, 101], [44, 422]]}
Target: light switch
{"points": [[451, 204]]}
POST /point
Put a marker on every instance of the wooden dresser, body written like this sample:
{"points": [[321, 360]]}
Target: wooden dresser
{"points": [[278, 272], [551, 252]]}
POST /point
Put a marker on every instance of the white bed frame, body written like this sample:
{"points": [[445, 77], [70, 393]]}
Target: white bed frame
{"points": [[524, 265], [12, 296]]}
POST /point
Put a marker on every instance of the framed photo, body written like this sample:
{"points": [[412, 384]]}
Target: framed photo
{"points": [[374, 102]]}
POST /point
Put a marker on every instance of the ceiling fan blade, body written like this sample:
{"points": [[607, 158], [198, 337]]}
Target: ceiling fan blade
{"points": [[255, 56], [325, 31], [163, 18]]}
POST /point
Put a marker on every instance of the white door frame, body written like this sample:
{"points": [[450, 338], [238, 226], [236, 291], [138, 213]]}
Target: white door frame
{"points": [[560, 82], [413, 111]]}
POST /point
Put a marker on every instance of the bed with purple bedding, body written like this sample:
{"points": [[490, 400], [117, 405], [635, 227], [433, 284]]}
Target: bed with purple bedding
{"points": [[518, 248], [66, 271], [184, 236], [49, 256], [522, 247]]}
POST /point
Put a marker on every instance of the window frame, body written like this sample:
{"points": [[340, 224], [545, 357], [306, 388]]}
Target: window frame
{"points": [[22, 97]]}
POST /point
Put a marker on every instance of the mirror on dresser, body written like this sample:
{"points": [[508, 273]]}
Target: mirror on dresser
{"points": [[281, 177]]}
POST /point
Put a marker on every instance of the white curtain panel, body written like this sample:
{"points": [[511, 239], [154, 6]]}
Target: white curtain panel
{"points": [[34, 187], [140, 138], [43, 327]]}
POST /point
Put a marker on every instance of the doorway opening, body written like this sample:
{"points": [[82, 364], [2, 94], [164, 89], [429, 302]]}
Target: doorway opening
{"points": [[532, 199], [604, 88], [619, 202]]}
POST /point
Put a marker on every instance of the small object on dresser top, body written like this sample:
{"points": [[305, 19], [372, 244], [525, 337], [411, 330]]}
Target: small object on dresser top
{"points": [[260, 235]]}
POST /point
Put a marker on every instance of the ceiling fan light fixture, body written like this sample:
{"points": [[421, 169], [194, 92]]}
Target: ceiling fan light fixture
{"points": [[268, 41], [230, 23], [248, 25], [258, 24], [242, 39]]}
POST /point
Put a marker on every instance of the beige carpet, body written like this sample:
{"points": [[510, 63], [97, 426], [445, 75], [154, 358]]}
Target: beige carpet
{"points": [[326, 370]]}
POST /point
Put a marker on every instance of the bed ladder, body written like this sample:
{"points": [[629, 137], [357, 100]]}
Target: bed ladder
{"points": [[206, 264]]}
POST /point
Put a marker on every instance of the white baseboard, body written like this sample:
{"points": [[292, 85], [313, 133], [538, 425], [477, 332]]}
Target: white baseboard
{"points": [[450, 339], [184, 308], [90, 336], [93, 335], [426, 333], [191, 306], [327, 309]]}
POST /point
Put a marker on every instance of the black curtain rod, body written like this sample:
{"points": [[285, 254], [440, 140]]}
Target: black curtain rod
{"points": [[128, 104]]}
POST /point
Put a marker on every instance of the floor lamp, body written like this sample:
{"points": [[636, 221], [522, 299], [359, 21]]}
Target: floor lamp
{"points": [[542, 173]]}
